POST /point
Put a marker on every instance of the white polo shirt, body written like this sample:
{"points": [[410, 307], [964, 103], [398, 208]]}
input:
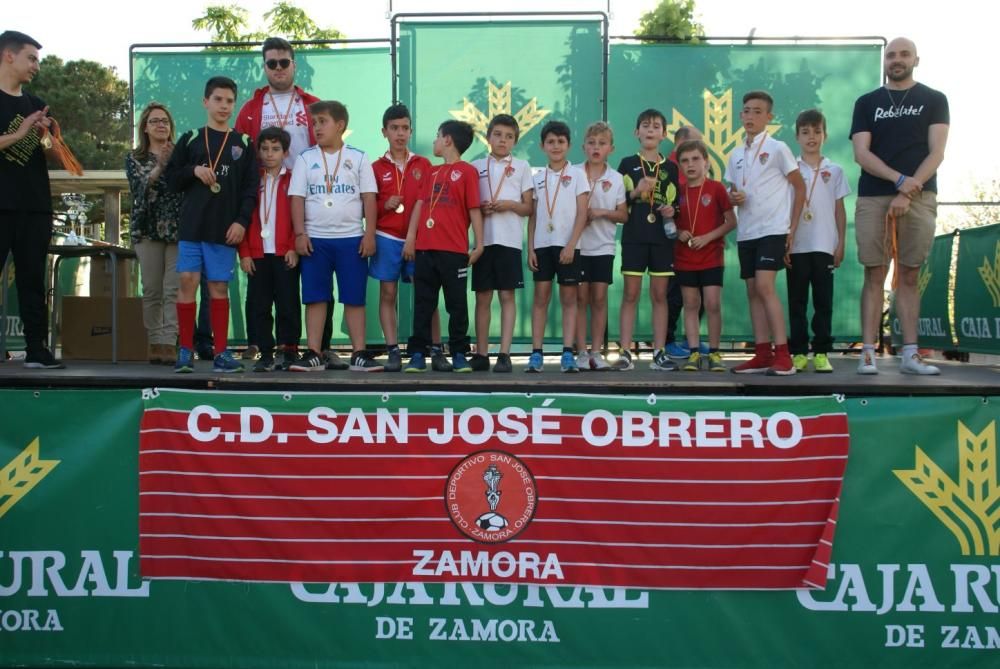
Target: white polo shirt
{"points": [[820, 233], [761, 170], [509, 178], [606, 192], [555, 230], [353, 177]]}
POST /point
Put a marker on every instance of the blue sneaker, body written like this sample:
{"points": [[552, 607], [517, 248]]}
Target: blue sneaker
{"points": [[568, 363], [534, 363], [460, 364], [416, 365], [185, 361], [677, 350], [225, 363], [703, 348]]}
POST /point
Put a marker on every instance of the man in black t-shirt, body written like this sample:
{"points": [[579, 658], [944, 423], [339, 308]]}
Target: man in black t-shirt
{"points": [[899, 132], [25, 197]]}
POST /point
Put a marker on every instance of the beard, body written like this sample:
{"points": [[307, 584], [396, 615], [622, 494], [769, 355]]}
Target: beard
{"points": [[896, 74]]}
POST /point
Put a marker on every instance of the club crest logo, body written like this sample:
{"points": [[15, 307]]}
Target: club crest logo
{"points": [[348, 164], [491, 496], [605, 185], [763, 158], [706, 200], [456, 175], [417, 173], [509, 170], [566, 179], [825, 176], [236, 151], [968, 507]]}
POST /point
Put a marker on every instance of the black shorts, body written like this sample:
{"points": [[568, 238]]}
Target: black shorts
{"points": [[763, 253], [657, 259], [698, 278], [499, 268], [549, 267], [597, 269]]}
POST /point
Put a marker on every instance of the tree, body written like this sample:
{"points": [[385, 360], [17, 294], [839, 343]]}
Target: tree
{"points": [[671, 18], [230, 23], [91, 105]]}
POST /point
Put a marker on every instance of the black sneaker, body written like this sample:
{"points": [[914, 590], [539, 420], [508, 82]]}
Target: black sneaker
{"points": [[205, 353], [503, 365], [265, 364], [334, 361], [42, 359], [479, 362], [310, 362], [360, 362], [439, 363], [395, 361], [288, 358]]}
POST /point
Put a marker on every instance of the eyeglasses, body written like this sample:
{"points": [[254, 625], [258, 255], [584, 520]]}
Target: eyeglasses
{"points": [[275, 63], [158, 121]]}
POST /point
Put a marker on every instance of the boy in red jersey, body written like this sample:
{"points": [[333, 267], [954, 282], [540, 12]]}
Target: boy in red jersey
{"points": [[438, 238], [704, 217]]}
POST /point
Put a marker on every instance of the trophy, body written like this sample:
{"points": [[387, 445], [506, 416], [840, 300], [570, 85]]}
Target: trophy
{"points": [[76, 210]]}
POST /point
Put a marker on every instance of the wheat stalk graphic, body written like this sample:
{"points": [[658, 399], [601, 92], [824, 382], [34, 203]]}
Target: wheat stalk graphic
{"points": [[970, 509], [22, 474], [499, 102], [923, 279], [991, 275]]}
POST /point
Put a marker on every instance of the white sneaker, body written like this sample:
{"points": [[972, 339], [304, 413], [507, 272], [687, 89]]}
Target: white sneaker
{"points": [[598, 363], [866, 364], [583, 361], [915, 365]]}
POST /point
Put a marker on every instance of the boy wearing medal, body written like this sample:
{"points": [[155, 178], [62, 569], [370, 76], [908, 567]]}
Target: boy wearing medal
{"points": [[332, 189], [554, 231], [767, 188], [606, 209], [704, 217], [438, 241], [267, 255], [505, 191], [651, 192], [818, 247], [214, 167], [399, 175]]}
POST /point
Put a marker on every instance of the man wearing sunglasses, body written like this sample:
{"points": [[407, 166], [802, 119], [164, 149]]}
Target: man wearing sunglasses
{"points": [[283, 104]]}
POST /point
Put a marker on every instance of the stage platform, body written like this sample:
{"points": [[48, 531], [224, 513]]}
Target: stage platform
{"points": [[956, 379]]}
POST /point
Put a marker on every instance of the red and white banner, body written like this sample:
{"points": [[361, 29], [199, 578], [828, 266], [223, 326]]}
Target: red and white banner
{"points": [[555, 490]]}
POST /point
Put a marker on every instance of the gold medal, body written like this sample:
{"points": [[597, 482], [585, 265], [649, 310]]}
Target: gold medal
{"points": [[216, 187], [808, 216], [691, 243], [651, 218], [400, 209], [552, 228], [430, 223], [265, 233]]}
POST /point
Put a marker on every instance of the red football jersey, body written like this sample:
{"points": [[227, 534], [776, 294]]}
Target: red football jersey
{"points": [[393, 182], [446, 197], [700, 210]]}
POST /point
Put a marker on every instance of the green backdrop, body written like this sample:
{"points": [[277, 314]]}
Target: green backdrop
{"points": [[474, 70]]}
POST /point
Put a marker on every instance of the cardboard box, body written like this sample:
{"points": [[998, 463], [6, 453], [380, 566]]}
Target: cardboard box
{"points": [[85, 329], [100, 277]]}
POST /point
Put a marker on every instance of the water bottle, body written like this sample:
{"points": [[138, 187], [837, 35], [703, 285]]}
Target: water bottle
{"points": [[670, 228]]}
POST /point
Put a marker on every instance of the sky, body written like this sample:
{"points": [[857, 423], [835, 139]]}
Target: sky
{"points": [[948, 37]]}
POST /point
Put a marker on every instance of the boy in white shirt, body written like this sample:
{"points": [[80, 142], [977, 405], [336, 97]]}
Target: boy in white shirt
{"points": [[505, 193], [767, 188], [554, 231], [606, 208], [333, 187], [818, 247]]}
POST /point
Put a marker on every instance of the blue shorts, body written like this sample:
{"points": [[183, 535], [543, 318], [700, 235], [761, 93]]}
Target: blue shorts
{"points": [[216, 261], [387, 264], [334, 256]]}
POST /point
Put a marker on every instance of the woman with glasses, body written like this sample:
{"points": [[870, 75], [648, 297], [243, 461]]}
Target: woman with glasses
{"points": [[153, 229]]}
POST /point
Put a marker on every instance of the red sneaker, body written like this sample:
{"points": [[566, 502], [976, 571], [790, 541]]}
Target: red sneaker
{"points": [[758, 364], [782, 366]]}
